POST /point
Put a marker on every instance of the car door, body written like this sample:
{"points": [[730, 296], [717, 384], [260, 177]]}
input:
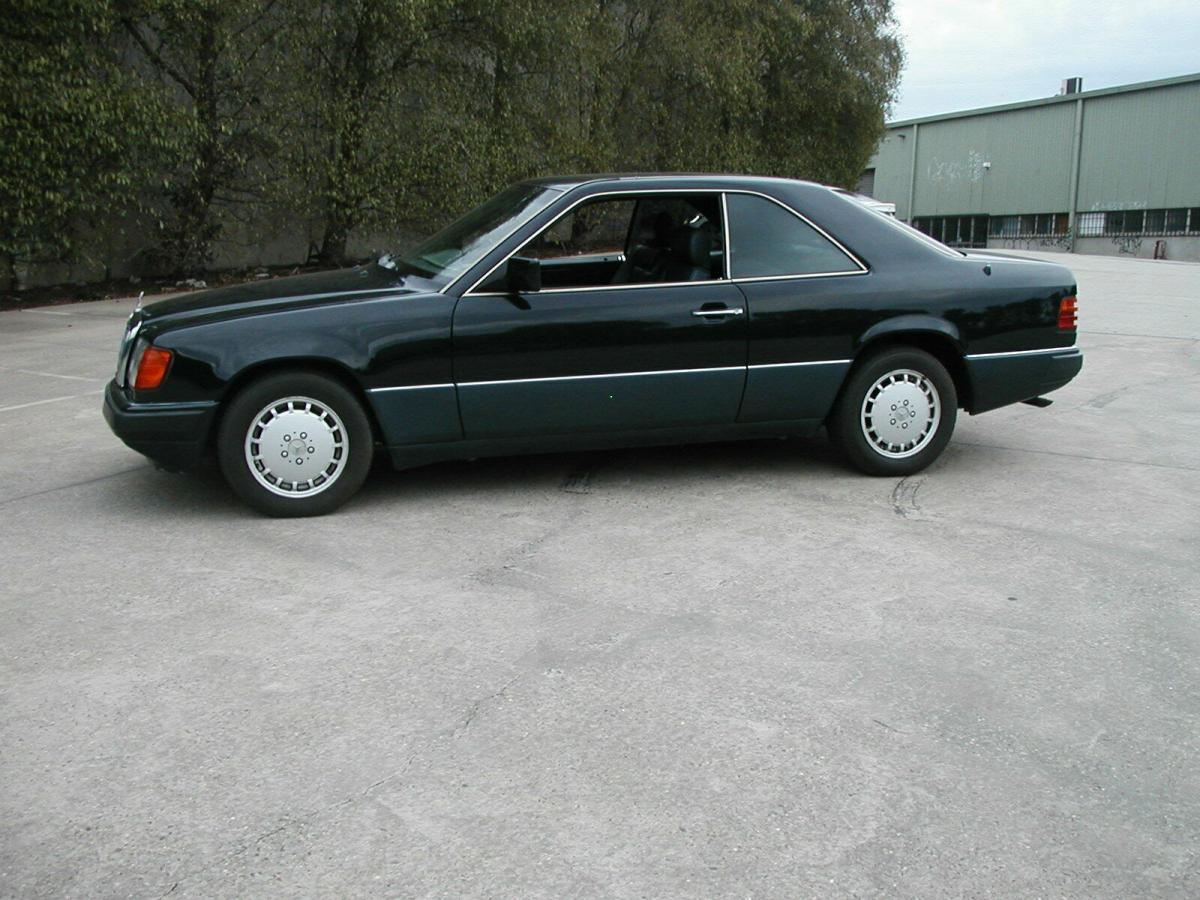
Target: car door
{"points": [[803, 293], [627, 333]]}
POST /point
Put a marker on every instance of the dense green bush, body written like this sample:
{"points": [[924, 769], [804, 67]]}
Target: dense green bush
{"points": [[175, 118]]}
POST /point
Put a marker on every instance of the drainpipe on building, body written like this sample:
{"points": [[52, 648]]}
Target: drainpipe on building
{"points": [[1076, 150], [912, 176]]}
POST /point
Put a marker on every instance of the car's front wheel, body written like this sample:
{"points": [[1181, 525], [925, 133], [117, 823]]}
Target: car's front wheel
{"points": [[295, 444], [896, 412]]}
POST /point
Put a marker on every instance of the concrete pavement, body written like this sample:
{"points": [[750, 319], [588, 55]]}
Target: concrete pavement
{"points": [[731, 670]]}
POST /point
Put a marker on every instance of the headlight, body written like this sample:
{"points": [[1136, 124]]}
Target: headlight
{"points": [[123, 354], [148, 366]]}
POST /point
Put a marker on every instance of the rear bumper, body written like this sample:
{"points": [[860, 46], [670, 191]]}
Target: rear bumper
{"points": [[174, 435], [998, 379]]}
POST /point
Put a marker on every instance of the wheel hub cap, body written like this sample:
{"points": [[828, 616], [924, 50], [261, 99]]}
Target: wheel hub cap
{"points": [[296, 446], [900, 413]]}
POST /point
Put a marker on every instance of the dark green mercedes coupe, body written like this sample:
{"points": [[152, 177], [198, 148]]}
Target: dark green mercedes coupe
{"points": [[596, 311]]}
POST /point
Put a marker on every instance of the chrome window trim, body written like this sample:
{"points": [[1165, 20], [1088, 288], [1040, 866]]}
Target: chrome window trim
{"points": [[728, 279], [727, 255], [667, 284], [754, 278], [607, 287], [1045, 350], [862, 267]]}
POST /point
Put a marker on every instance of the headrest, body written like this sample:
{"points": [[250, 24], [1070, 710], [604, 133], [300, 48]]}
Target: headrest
{"points": [[661, 228], [693, 245]]}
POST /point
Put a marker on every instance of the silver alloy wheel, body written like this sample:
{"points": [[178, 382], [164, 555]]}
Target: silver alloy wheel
{"points": [[296, 447], [900, 413]]}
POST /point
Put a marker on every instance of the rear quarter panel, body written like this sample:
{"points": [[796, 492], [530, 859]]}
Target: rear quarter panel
{"points": [[805, 333]]}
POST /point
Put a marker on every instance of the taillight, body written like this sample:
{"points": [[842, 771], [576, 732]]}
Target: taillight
{"points": [[151, 368], [1068, 309]]}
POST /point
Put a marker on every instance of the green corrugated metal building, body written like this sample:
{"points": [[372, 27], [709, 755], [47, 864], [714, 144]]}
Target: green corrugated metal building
{"points": [[1106, 171]]}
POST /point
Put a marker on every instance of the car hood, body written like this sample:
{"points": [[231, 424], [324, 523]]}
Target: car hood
{"points": [[364, 282]]}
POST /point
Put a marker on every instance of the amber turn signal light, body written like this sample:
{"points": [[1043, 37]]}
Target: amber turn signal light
{"points": [[1068, 310], [152, 369]]}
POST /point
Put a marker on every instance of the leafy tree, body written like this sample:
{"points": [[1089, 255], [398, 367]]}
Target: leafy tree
{"points": [[366, 116], [373, 137], [829, 73], [219, 61], [75, 138], [794, 87]]}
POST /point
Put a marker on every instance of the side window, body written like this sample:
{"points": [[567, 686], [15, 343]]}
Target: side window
{"points": [[767, 240], [591, 229], [584, 248], [628, 239], [676, 237]]}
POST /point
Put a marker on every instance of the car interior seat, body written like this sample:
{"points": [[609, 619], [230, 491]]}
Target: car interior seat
{"points": [[649, 255], [691, 254]]}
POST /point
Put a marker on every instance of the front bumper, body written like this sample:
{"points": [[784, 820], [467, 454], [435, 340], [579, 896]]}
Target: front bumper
{"points": [[998, 379], [174, 435]]}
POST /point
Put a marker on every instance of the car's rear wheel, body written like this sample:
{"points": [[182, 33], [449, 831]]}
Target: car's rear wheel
{"points": [[896, 412], [295, 444]]}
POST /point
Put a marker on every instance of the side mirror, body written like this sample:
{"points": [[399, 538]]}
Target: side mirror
{"points": [[524, 275]]}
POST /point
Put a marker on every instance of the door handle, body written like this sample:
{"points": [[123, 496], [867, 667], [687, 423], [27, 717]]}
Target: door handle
{"points": [[717, 312]]}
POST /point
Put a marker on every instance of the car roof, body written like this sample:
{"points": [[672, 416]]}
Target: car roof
{"points": [[643, 180]]}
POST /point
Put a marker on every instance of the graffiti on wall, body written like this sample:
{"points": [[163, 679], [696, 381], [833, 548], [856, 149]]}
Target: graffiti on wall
{"points": [[1128, 243], [970, 169], [1118, 205], [1052, 242]]}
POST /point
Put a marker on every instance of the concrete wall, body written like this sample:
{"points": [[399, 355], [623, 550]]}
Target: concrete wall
{"points": [[119, 255], [1183, 248]]}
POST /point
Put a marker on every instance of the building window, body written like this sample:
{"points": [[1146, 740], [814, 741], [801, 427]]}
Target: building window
{"points": [[1091, 224], [1029, 226], [1005, 226], [1127, 221], [1176, 221], [1139, 221], [954, 231]]}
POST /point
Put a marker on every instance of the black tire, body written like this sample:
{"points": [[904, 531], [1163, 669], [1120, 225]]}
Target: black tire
{"points": [[336, 459], [907, 375]]}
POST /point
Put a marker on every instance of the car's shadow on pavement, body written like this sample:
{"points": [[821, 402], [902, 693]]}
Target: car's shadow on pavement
{"points": [[586, 472], [152, 493]]}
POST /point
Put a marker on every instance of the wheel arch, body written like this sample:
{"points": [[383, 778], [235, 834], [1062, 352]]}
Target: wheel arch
{"points": [[937, 337], [321, 366]]}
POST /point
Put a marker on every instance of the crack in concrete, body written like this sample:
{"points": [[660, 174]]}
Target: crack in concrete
{"points": [[1111, 459], [451, 733], [73, 484]]}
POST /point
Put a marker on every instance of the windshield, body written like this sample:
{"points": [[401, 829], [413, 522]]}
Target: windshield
{"points": [[453, 250]]}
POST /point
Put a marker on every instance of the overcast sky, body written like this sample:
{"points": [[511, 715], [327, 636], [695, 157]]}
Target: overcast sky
{"points": [[962, 55]]}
